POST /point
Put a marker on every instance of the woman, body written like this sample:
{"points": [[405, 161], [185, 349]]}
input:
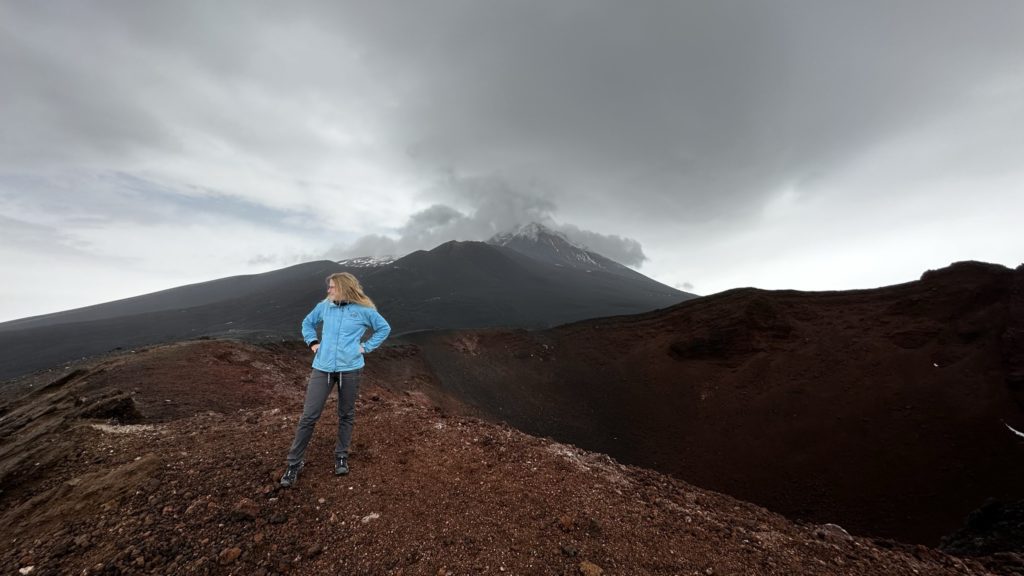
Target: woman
{"points": [[346, 314]]}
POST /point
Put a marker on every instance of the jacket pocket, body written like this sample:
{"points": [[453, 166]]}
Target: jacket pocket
{"points": [[350, 354]]}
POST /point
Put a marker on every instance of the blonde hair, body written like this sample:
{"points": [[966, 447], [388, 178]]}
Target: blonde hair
{"points": [[350, 289]]}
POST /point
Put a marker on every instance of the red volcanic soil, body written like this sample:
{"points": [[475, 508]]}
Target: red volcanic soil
{"points": [[881, 410], [166, 461]]}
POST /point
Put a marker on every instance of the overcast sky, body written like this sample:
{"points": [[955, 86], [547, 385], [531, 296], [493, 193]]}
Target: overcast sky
{"points": [[711, 145]]}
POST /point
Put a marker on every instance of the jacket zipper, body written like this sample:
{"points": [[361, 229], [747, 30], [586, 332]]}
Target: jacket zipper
{"points": [[337, 337]]}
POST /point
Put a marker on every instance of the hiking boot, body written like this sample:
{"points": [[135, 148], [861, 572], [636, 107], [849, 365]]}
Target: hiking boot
{"points": [[291, 474], [341, 465]]}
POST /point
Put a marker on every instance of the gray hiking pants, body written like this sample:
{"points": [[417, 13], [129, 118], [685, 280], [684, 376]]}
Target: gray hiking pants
{"points": [[317, 391]]}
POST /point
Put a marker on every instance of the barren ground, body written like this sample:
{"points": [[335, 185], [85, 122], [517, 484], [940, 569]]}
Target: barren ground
{"points": [[166, 461]]}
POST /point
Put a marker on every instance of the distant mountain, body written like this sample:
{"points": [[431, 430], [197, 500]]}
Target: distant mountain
{"points": [[524, 283], [532, 278]]}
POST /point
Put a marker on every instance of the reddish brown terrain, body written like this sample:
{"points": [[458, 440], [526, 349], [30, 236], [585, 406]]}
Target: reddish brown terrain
{"points": [[166, 460], [881, 410]]}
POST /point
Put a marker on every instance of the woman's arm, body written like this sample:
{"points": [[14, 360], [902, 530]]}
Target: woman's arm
{"points": [[309, 325], [381, 329]]}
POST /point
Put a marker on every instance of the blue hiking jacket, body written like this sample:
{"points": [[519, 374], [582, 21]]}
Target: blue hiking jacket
{"points": [[344, 325]]}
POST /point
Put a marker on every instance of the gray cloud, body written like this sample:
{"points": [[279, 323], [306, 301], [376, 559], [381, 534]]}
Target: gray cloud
{"points": [[623, 250], [381, 127], [103, 83], [678, 111], [493, 207], [111, 198], [672, 111], [32, 237], [264, 259]]}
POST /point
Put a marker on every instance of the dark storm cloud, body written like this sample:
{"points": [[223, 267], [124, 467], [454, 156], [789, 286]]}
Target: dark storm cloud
{"points": [[114, 83], [666, 111], [678, 110], [57, 105]]}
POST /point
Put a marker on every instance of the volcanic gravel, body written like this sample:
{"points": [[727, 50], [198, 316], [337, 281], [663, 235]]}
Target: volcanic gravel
{"points": [[881, 410], [178, 474]]}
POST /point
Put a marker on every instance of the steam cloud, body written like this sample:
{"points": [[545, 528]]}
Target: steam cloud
{"points": [[494, 207]]}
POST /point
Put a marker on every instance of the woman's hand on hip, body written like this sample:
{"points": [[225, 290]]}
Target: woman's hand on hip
{"points": [[314, 348]]}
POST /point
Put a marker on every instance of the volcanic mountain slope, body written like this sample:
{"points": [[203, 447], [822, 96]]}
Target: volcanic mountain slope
{"points": [[882, 410], [546, 245], [166, 460], [524, 283]]}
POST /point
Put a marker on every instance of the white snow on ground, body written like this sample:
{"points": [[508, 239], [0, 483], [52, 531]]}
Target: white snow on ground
{"points": [[367, 262], [538, 233], [533, 232]]}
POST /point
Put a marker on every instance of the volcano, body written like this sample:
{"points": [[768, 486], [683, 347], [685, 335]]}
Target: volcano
{"points": [[518, 280]]}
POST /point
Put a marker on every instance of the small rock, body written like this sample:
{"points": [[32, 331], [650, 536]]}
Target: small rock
{"points": [[229, 555], [278, 518], [588, 568], [565, 523], [26, 570], [257, 537], [373, 516], [282, 564], [832, 533], [314, 550], [569, 550], [245, 509], [193, 507], [61, 548]]}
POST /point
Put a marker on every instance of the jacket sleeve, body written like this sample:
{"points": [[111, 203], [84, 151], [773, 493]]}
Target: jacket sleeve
{"points": [[309, 324], [381, 329]]}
